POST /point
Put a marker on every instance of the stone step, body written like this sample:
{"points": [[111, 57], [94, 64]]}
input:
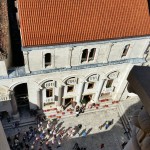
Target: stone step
{"points": [[71, 114], [9, 126], [124, 121]]}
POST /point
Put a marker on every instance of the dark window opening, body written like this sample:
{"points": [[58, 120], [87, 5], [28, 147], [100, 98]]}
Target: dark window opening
{"points": [[84, 55], [86, 99], [70, 88], [68, 101], [49, 92], [47, 59], [91, 85], [21, 95], [109, 83], [92, 54], [125, 50]]}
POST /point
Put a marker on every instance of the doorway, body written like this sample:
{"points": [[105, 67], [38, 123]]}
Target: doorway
{"points": [[86, 99], [21, 95], [68, 102], [3, 115]]}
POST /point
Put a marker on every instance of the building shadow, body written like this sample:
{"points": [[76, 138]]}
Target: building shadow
{"points": [[17, 55], [112, 138]]}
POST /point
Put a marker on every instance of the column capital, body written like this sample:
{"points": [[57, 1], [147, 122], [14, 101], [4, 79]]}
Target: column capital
{"points": [[26, 61], [11, 92], [39, 86], [71, 49], [25, 52]]}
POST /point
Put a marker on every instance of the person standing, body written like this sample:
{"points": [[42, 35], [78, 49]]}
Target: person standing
{"points": [[48, 126], [53, 140], [106, 125], [102, 146], [77, 111], [8, 119], [76, 146], [59, 140]]}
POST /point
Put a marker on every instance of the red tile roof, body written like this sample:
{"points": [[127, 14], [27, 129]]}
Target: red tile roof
{"points": [[49, 22]]}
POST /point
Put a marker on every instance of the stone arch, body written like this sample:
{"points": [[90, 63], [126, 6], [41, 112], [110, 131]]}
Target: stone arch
{"points": [[108, 86], [114, 74], [68, 77], [4, 89], [90, 75], [11, 88], [18, 92], [45, 80]]}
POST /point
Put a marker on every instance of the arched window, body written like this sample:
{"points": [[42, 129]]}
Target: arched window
{"points": [[92, 54], [109, 83], [49, 92], [84, 55], [47, 59], [125, 50]]}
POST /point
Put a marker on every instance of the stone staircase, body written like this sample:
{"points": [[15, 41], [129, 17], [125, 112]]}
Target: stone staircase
{"points": [[70, 112], [22, 122], [57, 113], [124, 119]]}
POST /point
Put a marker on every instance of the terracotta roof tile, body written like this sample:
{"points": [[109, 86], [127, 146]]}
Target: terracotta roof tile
{"points": [[49, 22]]}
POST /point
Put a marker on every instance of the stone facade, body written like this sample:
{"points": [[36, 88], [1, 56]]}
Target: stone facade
{"points": [[139, 79], [71, 75]]}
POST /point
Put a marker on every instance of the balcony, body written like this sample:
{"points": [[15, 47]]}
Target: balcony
{"points": [[49, 100]]}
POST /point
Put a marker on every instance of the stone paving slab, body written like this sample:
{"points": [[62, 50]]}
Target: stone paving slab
{"points": [[131, 104], [112, 137]]}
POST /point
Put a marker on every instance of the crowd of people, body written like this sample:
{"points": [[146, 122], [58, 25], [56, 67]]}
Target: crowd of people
{"points": [[47, 135], [43, 137]]}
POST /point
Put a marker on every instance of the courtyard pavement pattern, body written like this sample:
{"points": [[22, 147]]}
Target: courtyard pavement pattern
{"points": [[112, 138]]}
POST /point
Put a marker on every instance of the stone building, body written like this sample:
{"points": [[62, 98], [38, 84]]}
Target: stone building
{"points": [[74, 51], [139, 79]]}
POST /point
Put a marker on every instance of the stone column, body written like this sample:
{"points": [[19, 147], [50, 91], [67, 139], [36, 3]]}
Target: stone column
{"points": [[60, 95], [108, 51], [122, 83], [14, 104], [26, 61], [69, 57], [99, 89], [39, 98], [88, 55], [79, 93]]}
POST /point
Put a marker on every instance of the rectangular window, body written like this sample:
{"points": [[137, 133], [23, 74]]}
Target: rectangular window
{"points": [[92, 54], [84, 55], [109, 83], [49, 92], [90, 85], [70, 88], [125, 50], [47, 59]]}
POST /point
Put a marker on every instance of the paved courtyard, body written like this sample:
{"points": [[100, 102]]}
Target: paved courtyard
{"points": [[112, 138]]}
